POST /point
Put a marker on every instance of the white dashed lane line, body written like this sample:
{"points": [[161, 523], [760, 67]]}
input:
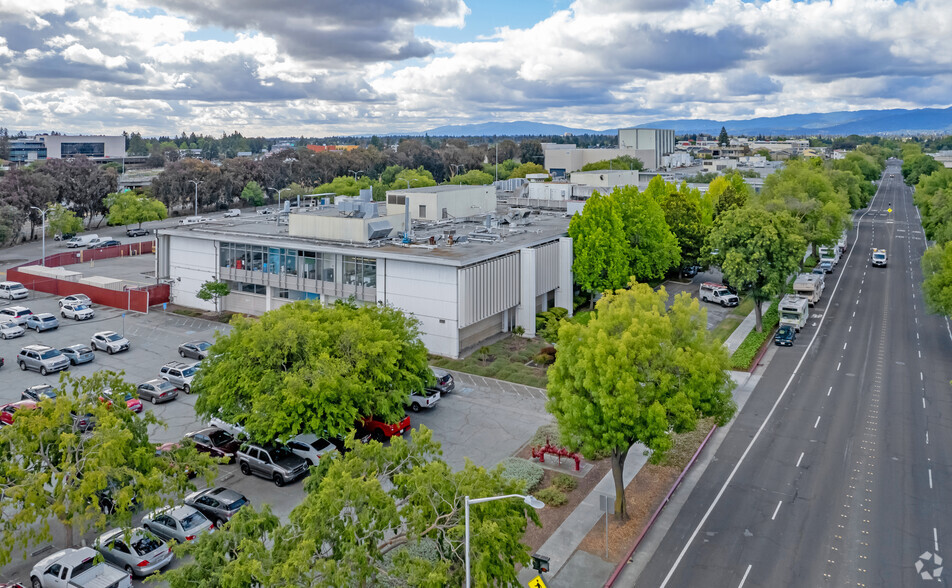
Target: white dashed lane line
{"points": [[776, 510], [799, 460], [817, 422]]}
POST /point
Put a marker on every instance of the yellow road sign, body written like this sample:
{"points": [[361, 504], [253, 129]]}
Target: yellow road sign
{"points": [[536, 582], [888, 210]]}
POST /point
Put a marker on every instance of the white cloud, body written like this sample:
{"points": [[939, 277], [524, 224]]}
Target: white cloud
{"points": [[92, 56]]}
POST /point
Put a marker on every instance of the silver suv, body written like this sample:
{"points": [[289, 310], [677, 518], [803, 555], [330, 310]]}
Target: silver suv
{"points": [[42, 358], [180, 374], [275, 463]]}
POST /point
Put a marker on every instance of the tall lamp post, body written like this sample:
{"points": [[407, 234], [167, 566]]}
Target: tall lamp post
{"points": [[528, 499], [408, 181], [360, 171], [196, 182], [279, 198], [43, 219]]}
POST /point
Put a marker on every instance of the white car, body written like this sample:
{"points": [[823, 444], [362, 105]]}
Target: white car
{"points": [[10, 330], [75, 299], [16, 314], [233, 212], [311, 447], [109, 341], [79, 312]]}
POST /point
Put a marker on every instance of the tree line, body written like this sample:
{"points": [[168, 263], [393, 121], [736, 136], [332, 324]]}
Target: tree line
{"points": [[933, 196]]}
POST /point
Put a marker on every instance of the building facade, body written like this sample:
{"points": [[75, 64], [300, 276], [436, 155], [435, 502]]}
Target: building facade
{"points": [[41, 147]]}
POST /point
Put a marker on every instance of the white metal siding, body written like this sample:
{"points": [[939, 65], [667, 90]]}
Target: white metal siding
{"points": [[488, 288], [547, 267]]}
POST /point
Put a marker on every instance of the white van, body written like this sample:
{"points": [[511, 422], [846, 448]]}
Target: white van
{"points": [[81, 240], [831, 254], [232, 212], [193, 220], [13, 291], [711, 292]]}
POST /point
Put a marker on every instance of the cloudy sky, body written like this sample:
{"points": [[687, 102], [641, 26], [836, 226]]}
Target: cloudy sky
{"points": [[324, 67]]}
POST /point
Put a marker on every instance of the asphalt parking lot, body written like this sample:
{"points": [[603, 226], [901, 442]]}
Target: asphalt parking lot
{"points": [[715, 312]]}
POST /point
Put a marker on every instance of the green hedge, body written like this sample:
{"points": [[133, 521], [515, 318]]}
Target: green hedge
{"points": [[527, 472], [552, 496], [748, 350]]}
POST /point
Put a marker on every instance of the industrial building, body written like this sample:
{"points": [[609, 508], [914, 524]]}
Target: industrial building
{"points": [[647, 145], [39, 147], [465, 269]]}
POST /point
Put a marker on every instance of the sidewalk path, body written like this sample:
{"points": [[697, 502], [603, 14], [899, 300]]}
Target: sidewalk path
{"points": [[743, 329]]}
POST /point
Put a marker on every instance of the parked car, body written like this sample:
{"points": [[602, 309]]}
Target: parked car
{"points": [[108, 243], [194, 349], [78, 354], [109, 341], [42, 358], [826, 266], [785, 335], [79, 312], [16, 314], [63, 236], [272, 462], [181, 523], [167, 450], [380, 430], [10, 329], [215, 442], [444, 381], [8, 410], [94, 242], [44, 321], [136, 232], [311, 447], [83, 422], [131, 402], [75, 299], [13, 291], [77, 568], [218, 504], [425, 399], [81, 240], [137, 551], [38, 393], [180, 374], [157, 390], [236, 429], [232, 212]]}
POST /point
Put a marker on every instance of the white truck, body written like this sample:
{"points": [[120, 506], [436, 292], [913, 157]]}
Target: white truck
{"points": [[81, 241], [713, 292], [809, 286], [794, 311], [831, 254], [843, 242], [77, 568], [879, 257]]}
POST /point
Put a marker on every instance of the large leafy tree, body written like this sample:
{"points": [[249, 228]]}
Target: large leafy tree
{"points": [[25, 188], [130, 207], [473, 177], [376, 516], [416, 177], [653, 247], [937, 283], [50, 470], [526, 169], [602, 256], [253, 194], [61, 220], [933, 196], [635, 373], [623, 162], [757, 251], [728, 191], [308, 368], [10, 221], [682, 212], [81, 183]]}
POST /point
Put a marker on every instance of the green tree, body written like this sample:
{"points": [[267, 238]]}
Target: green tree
{"points": [[915, 166], [213, 290], [682, 212], [722, 138], [757, 250], [933, 196], [602, 257], [526, 169], [130, 207], [633, 374], [50, 469], [530, 151], [621, 163], [304, 368], [363, 520], [505, 169], [473, 177], [417, 177], [253, 194], [937, 282], [653, 247], [61, 220], [10, 221], [728, 191]]}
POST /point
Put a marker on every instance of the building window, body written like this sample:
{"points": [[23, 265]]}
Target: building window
{"points": [[87, 149], [396, 199], [245, 288], [360, 271], [423, 211]]}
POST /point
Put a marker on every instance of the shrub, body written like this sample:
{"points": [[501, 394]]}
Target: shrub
{"points": [[548, 351], [558, 312], [548, 431], [523, 470], [745, 354], [519, 331], [564, 482], [540, 322], [543, 359], [551, 496]]}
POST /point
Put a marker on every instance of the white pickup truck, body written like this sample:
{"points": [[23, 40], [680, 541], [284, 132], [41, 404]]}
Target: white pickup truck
{"points": [[427, 399], [711, 292], [77, 568]]}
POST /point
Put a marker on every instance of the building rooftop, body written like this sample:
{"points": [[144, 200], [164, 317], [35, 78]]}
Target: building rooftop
{"points": [[456, 242]]}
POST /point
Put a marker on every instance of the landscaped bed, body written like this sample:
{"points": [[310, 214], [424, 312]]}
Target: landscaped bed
{"points": [[509, 359]]}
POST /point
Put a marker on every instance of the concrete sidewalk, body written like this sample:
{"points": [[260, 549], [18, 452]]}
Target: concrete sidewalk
{"points": [[569, 567]]}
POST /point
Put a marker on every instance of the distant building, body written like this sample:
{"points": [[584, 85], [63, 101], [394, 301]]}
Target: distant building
{"points": [[646, 145], [324, 148], [42, 147]]}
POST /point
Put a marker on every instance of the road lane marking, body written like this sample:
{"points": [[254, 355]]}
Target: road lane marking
{"points": [[923, 402], [838, 366], [930, 478], [935, 538], [920, 376], [817, 422], [854, 316], [799, 460], [830, 390], [776, 510], [920, 354], [850, 330], [844, 345], [927, 437]]}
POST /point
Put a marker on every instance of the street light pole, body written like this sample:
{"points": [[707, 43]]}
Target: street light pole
{"points": [[196, 182], [279, 198], [408, 181], [360, 171], [43, 220], [528, 499]]}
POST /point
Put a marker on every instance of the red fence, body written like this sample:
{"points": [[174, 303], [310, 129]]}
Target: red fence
{"points": [[138, 299]]}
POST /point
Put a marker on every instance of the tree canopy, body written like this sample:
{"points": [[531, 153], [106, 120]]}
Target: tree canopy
{"points": [[126, 208], [61, 220], [253, 194], [937, 282], [634, 373], [527, 168], [602, 257], [653, 247], [306, 368], [473, 177], [622, 162]]}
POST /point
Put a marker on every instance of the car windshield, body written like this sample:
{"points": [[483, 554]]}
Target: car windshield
{"points": [[279, 453], [46, 391], [193, 520], [113, 337], [48, 318], [790, 315], [50, 354], [220, 437], [723, 293], [9, 326], [146, 544], [203, 345], [238, 503], [80, 307], [189, 371], [163, 385]]}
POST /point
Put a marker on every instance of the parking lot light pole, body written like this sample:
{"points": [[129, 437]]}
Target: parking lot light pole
{"points": [[528, 499], [196, 182], [43, 219]]}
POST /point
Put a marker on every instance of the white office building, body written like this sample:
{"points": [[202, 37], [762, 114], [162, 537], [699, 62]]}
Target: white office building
{"points": [[647, 145]]}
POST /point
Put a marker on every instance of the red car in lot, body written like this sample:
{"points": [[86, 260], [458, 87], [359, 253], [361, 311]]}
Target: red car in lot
{"points": [[7, 411], [380, 430], [132, 403]]}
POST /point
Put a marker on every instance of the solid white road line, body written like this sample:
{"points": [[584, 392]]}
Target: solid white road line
{"points": [[927, 437], [844, 345], [744, 579], [776, 510], [923, 402], [838, 366]]}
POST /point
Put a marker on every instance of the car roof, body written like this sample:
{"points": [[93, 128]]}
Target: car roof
{"points": [[36, 347], [104, 333], [179, 511], [113, 533], [16, 308]]}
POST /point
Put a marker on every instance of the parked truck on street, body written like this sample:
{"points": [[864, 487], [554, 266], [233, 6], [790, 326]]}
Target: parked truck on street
{"points": [[809, 286], [794, 311], [712, 292]]}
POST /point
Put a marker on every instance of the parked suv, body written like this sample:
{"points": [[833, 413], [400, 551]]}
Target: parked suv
{"points": [[109, 341], [271, 462], [444, 381], [217, 504], [42, 358], [17, 314], [180, 374], [136, 232], [44, 321]]}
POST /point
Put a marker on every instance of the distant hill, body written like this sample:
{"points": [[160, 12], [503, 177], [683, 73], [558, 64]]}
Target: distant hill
{"points": [[861, 122]]}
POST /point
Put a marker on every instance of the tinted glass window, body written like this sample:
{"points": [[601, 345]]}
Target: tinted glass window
{"points": [[238, 503], [220, 437], [113, 337], [193, 520], [83, 567], [50, 354]]}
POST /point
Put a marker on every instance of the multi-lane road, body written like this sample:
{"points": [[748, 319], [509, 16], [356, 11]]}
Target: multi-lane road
{"points": [[837, 472]]}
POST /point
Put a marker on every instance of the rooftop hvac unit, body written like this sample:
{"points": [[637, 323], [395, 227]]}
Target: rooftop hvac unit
{"points": [[378, 229]]}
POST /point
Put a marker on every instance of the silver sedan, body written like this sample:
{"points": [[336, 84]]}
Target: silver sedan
{"points": [[181, 523], [137, 551]]}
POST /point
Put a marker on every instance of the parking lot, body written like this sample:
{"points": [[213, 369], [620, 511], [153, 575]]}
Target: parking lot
{"points": [[484, 422]]}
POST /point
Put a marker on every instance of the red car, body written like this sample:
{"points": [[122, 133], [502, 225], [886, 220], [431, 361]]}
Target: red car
{"points": [[381, 431], [132, 403], [216, 442], [7, 411]]}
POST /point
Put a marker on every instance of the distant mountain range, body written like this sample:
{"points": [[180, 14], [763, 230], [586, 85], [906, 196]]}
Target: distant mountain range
{"points": [[861, 122]]}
